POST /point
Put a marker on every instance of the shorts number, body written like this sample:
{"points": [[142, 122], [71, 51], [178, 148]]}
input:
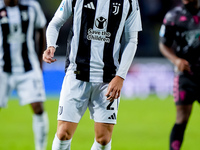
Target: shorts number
{"points": [[109, 106]]}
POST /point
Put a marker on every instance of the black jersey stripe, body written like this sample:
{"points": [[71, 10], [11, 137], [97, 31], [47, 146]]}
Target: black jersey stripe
{"points": [[68, 48], [69, 38], [6, 47], [25, 24], [84, 47], [73, 5], [113, 26], [130, 9]]}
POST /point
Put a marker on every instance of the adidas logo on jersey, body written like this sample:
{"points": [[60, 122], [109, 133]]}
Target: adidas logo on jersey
{"points": [[113, 117], [90, 6]]}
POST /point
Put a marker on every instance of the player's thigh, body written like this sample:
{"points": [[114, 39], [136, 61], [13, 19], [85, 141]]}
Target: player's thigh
{"points": [[74, 98], [101, 109], [5, 88], [185, 90], [30, 88]]}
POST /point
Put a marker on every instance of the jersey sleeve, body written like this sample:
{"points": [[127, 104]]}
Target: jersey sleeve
{"points": [[40, 21], [133, 22], [64, 11], [130, 40], [168, 29]]}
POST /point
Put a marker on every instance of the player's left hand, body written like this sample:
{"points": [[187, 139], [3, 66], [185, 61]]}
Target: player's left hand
{"points": [[114, 88]]}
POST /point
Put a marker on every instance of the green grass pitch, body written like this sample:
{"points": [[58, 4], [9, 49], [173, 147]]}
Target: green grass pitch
{"points": [[141, 125]]}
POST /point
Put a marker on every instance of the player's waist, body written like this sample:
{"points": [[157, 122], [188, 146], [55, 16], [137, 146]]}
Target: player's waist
{"points": [[91, 76]]}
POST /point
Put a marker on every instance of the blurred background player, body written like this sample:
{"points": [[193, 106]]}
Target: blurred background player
{"points": [[95, 76], [20, 65], [181, 27]]}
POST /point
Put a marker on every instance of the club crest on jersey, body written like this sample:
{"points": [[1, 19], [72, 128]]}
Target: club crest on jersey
{"points": [[60, 110], [116, 7]]}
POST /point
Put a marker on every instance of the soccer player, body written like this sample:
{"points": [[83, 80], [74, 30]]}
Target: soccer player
{"points": [[180, 43], [19, 62], [97, 69]]}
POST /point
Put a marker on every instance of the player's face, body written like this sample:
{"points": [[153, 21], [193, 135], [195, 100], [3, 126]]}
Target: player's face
{"points": [[11, 2], [191, 4], [189, 1]]}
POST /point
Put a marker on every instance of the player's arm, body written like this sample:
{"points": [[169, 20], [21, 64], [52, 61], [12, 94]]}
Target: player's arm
{"points": [[115, 86], [62, 14], [41, 43], [168, 52], [132, 26], [52, 36], [167, 34], [40, 28]]}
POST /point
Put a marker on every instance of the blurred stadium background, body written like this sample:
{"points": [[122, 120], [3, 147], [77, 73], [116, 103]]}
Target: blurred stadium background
{"points": [[146, 112]]}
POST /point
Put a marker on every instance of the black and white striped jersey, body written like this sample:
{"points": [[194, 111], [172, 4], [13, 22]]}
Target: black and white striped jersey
{"points": [[17, 46], [98, 26]]}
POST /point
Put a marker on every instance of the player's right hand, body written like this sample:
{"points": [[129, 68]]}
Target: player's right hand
{"points": [[182, 65], [49, 54], [114, 88]]}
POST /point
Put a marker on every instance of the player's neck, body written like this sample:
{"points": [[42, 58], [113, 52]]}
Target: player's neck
{"points": [[192, 8], [11, 3]]}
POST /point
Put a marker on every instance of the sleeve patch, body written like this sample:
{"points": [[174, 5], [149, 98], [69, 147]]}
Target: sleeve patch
{"points": [[62, 5], [162, 31]]}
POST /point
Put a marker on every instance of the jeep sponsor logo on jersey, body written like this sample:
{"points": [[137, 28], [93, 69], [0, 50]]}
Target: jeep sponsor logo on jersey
{"points": [[101, 34]]}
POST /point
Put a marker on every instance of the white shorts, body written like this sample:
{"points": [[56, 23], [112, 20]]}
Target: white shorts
{"points": [[77, 95], [29, 87]]}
